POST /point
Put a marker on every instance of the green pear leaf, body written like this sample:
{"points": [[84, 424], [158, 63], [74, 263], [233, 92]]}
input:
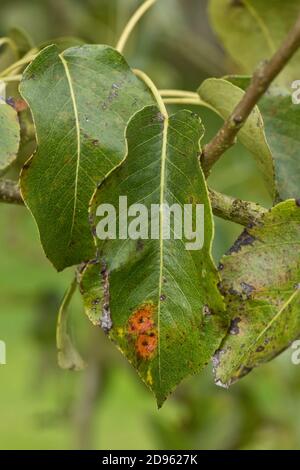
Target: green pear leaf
{"points": [[281, 118], [158, 300], [62, 43], [223, 96], [21, 40], [252, 31], [81, 100], [260, 282], [9, 136]]}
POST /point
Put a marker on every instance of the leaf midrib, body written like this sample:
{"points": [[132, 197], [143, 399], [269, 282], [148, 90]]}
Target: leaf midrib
{"points": [[73, 99], [161, 240]]}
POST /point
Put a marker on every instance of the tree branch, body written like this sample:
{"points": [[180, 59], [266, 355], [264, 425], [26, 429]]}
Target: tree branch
{"points": [[10, 192], [235, 210], [261, 80], [226, 207]]}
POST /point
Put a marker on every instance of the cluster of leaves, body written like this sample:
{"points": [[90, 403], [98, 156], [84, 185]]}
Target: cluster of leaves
{"points": [[102, 132]]}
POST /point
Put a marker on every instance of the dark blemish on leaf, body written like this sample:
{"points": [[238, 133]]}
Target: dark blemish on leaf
{"points": [[221, 267], [245, 371], [234, 326], [113, 94], [160, 117], [163, 297], [247, 289], [10, 101], [96, 142], [216, 360], [260, 349], [105, 322], [297, 202], [26, 165], [233, 291], [96, 301], [139, 245], [243, 240]]}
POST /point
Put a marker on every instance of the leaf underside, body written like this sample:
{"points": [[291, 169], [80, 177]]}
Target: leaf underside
{"points": [[281, 119], [261, 285], [81, 100], [9, 136], [223, 96], [158, 301]]}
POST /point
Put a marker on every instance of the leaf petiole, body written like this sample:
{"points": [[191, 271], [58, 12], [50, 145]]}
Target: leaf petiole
{"points": [[140, 12], [24, 61]]}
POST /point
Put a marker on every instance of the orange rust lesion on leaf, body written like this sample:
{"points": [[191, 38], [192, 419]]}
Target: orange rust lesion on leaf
{"points": [[141, 326], [141, 320], [146, 345]]}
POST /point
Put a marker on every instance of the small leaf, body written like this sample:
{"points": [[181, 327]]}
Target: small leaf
{"points": [[81, 101], [158, 301], [67, 355], [9, 136], [23, 43], [260, 281], [252, 31], [282, 129], [223, 96]]}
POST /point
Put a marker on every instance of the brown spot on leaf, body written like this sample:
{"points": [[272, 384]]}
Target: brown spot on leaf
{"points": [[234, 326], [105, 322], [297, 202], [247, 289], [20, 105], [141, 320], [243, 240], [160, 117], [139, 245], [146, 345], [141, 326]]}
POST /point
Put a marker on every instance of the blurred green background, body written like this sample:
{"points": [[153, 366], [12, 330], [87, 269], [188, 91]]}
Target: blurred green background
{"points": [[105, 406]]}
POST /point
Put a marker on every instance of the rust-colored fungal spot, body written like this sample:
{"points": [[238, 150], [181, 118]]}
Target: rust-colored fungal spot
{"points": [[146, 345], [141, 320], [141, 326]]}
